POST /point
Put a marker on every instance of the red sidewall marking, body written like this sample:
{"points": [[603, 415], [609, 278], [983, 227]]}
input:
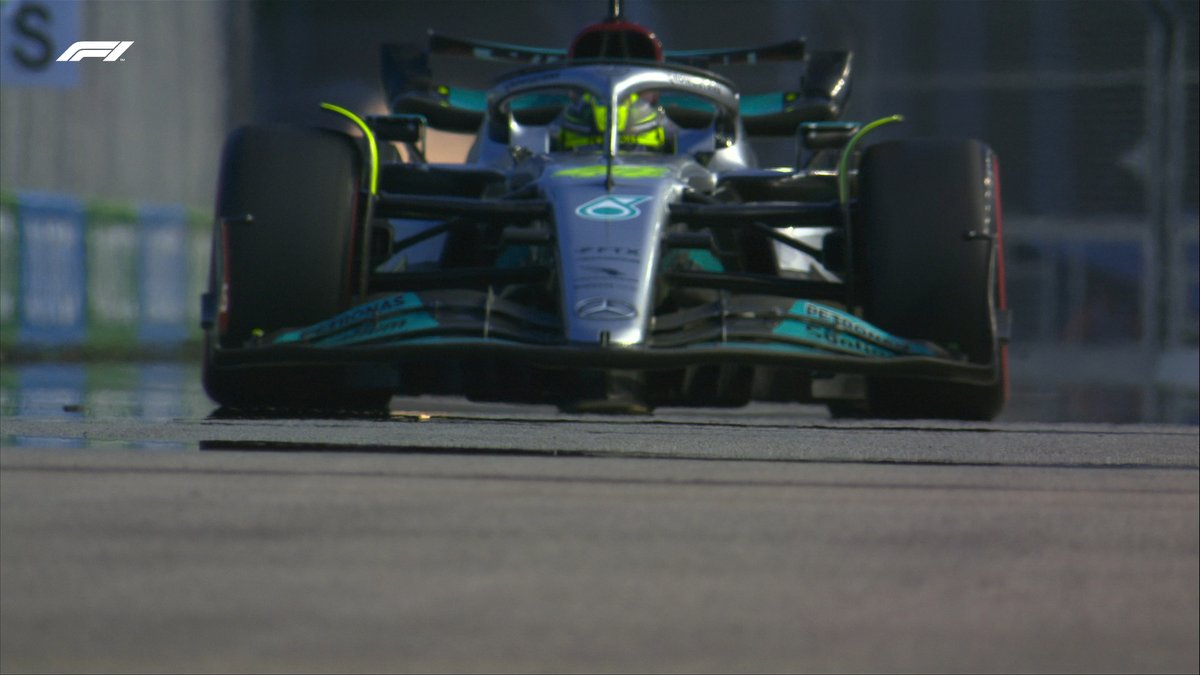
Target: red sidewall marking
{"points": [[1003, 299]]}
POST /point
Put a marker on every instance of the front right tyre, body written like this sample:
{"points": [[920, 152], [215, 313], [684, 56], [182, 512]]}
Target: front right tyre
{"points": [[930, 266]]}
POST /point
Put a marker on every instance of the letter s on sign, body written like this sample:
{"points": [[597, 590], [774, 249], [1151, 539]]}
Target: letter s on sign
{"points": [[32, 20]]}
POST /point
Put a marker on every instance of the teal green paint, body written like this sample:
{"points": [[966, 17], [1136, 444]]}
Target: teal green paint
{"points": [[705, 261], [693, 259], [762, 104], [851, 327], [387, 316], [829, 338], [391, 327], [467, 99]]}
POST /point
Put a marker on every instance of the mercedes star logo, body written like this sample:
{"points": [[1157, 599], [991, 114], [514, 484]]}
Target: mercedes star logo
{"points": [[604, 309]]}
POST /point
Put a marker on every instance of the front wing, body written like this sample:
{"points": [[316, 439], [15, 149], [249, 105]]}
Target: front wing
{"points": [[465, 325]]}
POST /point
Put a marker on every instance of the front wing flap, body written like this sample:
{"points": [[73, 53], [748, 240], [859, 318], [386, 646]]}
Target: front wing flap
{"points": [[464, 324]]}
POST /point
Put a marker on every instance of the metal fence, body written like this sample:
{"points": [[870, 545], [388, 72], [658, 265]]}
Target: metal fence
{"points": [[1092, 107]]}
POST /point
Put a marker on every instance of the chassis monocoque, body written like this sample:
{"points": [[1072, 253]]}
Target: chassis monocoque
{"points": [[608, 277]]}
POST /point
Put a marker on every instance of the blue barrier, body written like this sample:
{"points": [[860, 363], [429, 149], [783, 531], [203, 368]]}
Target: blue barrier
{"points": [[99, 275], [52, 278]]}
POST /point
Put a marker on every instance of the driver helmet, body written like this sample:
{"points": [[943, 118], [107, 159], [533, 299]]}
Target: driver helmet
{"points": [[616, 39], [639, 120]]}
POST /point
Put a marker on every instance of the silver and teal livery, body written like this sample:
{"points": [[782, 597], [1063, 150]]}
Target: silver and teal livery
{"points": [[618, 277]]}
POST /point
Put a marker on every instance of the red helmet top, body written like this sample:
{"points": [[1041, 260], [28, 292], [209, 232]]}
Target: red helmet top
{"points": [[616, 39]]}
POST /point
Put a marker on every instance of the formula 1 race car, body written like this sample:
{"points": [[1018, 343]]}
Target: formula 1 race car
{"points": [[610, 245]]}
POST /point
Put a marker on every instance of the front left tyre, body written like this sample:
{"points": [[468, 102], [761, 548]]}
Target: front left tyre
{"points": [[287, 229]]}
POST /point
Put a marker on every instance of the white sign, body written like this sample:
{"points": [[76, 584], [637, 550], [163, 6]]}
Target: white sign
{"points": [[32, 34]]}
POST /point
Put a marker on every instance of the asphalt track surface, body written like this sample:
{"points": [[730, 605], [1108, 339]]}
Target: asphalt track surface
{"points": [[450, 537]]}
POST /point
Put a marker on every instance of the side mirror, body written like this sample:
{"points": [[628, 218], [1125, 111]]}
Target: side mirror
{"points": [[398, 128], [826, 135]]}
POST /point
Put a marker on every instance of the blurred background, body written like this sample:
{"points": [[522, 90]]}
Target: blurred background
{"points": [[107, 168]]}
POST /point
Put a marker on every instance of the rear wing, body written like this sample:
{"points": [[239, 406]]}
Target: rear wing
{"points": [[791, 50], [411, 89]]}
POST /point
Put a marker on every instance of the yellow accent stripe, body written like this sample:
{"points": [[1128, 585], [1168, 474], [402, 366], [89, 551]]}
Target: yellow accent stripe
{"points": [[370, 141], [619, 170], [843, 175]]}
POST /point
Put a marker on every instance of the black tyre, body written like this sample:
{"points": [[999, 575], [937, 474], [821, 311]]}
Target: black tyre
{"points": [[284, 254], [930, 266]]}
